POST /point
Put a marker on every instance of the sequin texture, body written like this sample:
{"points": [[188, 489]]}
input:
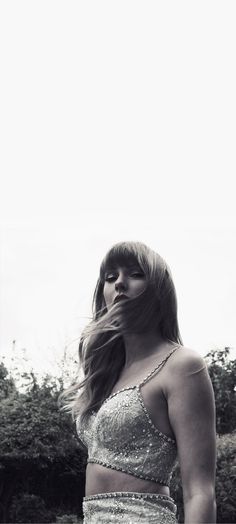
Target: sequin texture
{"points": [[122, 436], [129, 508]]}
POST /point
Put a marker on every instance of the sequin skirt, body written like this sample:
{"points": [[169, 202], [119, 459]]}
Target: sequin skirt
{"points": [[129, 508]]}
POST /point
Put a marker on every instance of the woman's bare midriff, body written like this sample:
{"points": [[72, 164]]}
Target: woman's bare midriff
{"points": [[100, 479]]}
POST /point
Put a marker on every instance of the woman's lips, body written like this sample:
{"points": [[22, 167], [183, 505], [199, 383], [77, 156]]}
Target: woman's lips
{"points": [[120, 297]]}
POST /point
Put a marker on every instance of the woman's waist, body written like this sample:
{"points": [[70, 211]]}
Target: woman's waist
{"points": [[100, 479]]}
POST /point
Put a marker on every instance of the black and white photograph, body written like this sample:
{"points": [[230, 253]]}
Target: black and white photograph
{"points": [[117, 262]]}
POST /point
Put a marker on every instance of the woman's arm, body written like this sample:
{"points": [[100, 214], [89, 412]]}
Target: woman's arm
{"points": [[192, 416]]}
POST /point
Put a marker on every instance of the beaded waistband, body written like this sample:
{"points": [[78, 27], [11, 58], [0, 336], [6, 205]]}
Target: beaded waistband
{"points": [[134, 494], [130, 494]]}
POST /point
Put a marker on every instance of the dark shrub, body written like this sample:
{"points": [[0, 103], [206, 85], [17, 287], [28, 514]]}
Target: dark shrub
{"points": [[26, 508], [222, 371], [225, 478]]}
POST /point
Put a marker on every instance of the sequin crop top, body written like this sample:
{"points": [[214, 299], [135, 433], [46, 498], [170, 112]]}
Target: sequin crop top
{"points": [[122, 436]]}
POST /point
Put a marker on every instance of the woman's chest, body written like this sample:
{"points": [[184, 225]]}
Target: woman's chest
{"points": [[152, 398]]}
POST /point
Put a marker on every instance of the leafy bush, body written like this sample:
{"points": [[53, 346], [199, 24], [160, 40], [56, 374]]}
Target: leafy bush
{"points": [[225, 478], [39, 451], [29, 508], [222, 371], [7, 385]]}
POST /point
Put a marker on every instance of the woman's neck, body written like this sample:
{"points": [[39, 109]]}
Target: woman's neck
{"points": [[139, 346]]}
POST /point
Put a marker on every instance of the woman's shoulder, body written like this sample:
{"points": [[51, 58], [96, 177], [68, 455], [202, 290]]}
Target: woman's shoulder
{"points": [[185, 367], [185, 361]]}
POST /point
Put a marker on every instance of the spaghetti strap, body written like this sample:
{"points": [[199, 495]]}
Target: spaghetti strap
{"points": [[159, 366], [138, 386]]}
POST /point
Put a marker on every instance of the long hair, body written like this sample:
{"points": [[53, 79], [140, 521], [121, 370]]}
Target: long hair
{"points": [[101, 346]]}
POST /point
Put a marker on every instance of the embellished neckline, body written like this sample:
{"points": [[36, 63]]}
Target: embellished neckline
{"points": [[137, 386]]}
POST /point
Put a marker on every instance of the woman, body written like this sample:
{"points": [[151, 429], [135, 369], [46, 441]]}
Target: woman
{"points": [[143, 400]]}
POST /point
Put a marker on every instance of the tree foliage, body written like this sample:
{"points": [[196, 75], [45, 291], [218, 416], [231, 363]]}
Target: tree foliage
{"points": [[39, 451], [29, 508], [7, 384], [222, 371]]}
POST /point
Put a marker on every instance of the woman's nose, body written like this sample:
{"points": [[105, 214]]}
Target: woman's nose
{"points": [[120, 283]]}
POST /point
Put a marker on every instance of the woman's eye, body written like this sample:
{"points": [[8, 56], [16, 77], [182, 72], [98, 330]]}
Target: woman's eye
{"points": [[110, 278]]}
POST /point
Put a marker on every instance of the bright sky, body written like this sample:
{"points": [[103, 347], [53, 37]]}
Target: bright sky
{"points": [[117, 123]]}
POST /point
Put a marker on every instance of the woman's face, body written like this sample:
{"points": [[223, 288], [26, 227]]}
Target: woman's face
{"points": [[123, 282]]}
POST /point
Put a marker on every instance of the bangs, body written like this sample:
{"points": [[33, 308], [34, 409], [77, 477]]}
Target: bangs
{"points": [[123, 254]]}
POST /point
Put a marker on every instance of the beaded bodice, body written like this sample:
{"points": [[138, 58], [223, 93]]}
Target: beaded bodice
{"points": [[122, 436]]}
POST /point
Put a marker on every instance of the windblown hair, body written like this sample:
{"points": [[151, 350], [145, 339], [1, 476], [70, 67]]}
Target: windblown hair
{"points": [[101, 346]]}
